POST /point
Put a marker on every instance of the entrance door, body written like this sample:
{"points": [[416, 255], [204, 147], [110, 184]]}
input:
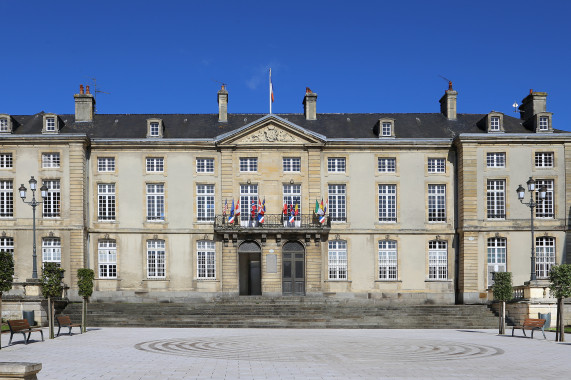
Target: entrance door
{"points": [[293, 272], [250, 269]]}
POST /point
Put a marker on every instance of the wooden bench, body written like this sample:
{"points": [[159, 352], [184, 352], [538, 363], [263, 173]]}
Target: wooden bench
{"points": [[531, 324], [65, 321], [22, 326]]}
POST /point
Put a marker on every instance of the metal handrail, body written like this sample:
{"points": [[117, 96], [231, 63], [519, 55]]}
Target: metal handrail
{"points": [[272, 221]]}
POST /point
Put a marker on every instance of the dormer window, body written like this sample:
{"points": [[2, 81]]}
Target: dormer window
{"points": [[50, 124], [495, 124], [385, 128], [543, 123], [5, 124], [154, 128]]}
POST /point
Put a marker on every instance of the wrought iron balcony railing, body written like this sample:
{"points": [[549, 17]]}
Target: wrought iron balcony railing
{"points": [[272, 222]]}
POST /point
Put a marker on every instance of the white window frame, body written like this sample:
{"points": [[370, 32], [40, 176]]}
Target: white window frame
{"points": [[51, 160], [205, 203], [205, 260], [248, 164], [336, 165], [337, 205], [51, 124], [496, 199], [387, 194], [387, 260], [337, 260], [495, 124], [496, 159], [155, 202], [291, 164], [436, 203], [546, 208], [51, 250], [544, 159], [6, 198], [154, 129], [437, 260], [205, 165], [436, 165], [107, 258], [248, 195], [544, 123], [6, 161], [156, 259], [51, 206], [386, 129], [7, 244], [4, 125], [106, 202], [155, 164], [497, 257], [387, 165], [544, 256], [105, 164]]}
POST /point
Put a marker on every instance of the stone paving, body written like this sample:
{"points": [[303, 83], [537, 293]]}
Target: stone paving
{"points": [[154, 353]]}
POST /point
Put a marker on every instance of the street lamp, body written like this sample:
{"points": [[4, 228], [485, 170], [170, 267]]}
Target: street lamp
{"points": [[532, 204], [44, 191]]}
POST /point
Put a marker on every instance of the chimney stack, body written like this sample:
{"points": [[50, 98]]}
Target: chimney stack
{"points": [[534, 103], [448, 102], [223, 105], [310, 104], [84, 105]]}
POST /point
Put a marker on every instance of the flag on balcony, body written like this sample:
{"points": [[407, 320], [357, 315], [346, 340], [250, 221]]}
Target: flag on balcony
{"points": [[285, 209], [225, 211], [253, 209], [292, 213], [231, 217], [261, 210], [318, 208], [322, 217], [237, 209]]}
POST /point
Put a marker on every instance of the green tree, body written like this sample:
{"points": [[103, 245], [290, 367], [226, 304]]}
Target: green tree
{"points": [[560, 277], [6, 277], [503, 291], [85, 284], [51, 287]]}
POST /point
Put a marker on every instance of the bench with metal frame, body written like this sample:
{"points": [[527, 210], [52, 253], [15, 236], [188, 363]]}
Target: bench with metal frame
{"points": [[65, 321], [22, 326], [531, 324]]}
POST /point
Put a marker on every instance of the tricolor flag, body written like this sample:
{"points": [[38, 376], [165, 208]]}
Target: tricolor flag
{"points": [[292, 213], [271, 87], [253, 211], [261, 211], [285, 209], [322, 217], [231, 217], [318, 208], [237, 209]]}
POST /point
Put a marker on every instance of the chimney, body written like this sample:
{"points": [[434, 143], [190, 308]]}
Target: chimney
{"points": [[448, 102], [84, 105], [310, 104], [223, 105], [533, 104]]}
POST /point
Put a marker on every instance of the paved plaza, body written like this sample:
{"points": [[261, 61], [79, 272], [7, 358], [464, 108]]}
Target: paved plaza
{"points": [[153, 353]]}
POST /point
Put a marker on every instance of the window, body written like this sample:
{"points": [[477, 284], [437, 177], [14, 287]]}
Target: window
{"points": [[155, 201], [155, 164], [496, 160], [51, 250], [337, 260], [543, 123], [4, 126], [387, 165], [50, 124], [292, 198], [106, 201], [544, 256], [154, 130], [495, 124], [106, 164], [387, 203], [248, 197], [52, 203], [436, 165], [7, 244], [496, 257], [437, 260], [337, 203], [205, 165], [107, 253], [437, 203], [496, 199], [387, 260], [336, 165], [544, 159], [50, 160], [292, 164], [545, 208], [6, 199], [205, 203], [156, 258], [206, 259], [386, 129], [248, 164], [6, 161]]}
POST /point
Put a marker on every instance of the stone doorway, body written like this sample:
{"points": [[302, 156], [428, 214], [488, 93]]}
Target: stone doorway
{"points": [[250, 269], [293, 269]]}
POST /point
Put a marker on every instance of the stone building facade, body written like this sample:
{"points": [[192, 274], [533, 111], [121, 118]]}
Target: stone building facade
{"points": [[418, 207]]}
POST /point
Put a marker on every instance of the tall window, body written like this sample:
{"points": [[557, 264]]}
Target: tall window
{"points": [[50, 160], [496, 199], [51, 250], [543, 123], [545, 208], [206, 256], [543, 159], [544, 256], [205, 203], [248, 196], [205, 165], [6, 160], [106, 164], [107, 254], [4, 125], [437, 165], [292, 198], [387, 129], [156, 259], [7, 244], [50, 124], [336, 164], [496, 257], [337, 203], [248, 164], [155, 164], [6, 199], [337, 261], [387, 260], [291, 164], [387, 165], [437, 260], [154, 129], [437, 203], [496, 160], [494, 123], [387, 203], [155, 201], [52, 203], [106, 201]]}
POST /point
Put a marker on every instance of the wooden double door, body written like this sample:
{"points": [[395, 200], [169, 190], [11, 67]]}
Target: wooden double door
{"points": [[293, 269]]}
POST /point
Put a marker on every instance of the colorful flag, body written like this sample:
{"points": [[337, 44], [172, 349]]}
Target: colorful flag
{"points": [[292, 213], [296, 209], [285, 209], [261, 211], [271, 87], [231, 217], [317, 207], [225, 211], [237, 209], [253, 211], [322, 217]]}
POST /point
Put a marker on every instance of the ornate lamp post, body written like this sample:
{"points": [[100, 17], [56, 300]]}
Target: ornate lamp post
{"points": [[532, 204], [44, 191]]}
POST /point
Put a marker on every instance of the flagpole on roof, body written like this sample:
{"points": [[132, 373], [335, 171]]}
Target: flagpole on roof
{"points": [[270, 90]]}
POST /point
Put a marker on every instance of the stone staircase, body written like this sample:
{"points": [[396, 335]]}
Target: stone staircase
{"points": [[285, 312]]}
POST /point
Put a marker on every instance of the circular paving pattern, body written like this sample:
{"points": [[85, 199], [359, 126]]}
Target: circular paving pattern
{"points": [[384, 350]]}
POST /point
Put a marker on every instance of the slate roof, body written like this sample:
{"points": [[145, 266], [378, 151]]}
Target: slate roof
{"points": [[206, 126]]}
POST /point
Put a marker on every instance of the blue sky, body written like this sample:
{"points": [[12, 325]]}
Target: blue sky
{"points": [[358, 56]]}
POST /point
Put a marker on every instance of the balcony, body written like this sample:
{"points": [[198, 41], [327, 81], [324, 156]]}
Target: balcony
{"points": [[273, 223]]}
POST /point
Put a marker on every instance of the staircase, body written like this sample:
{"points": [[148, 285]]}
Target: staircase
{"points": [[285, 312]]}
